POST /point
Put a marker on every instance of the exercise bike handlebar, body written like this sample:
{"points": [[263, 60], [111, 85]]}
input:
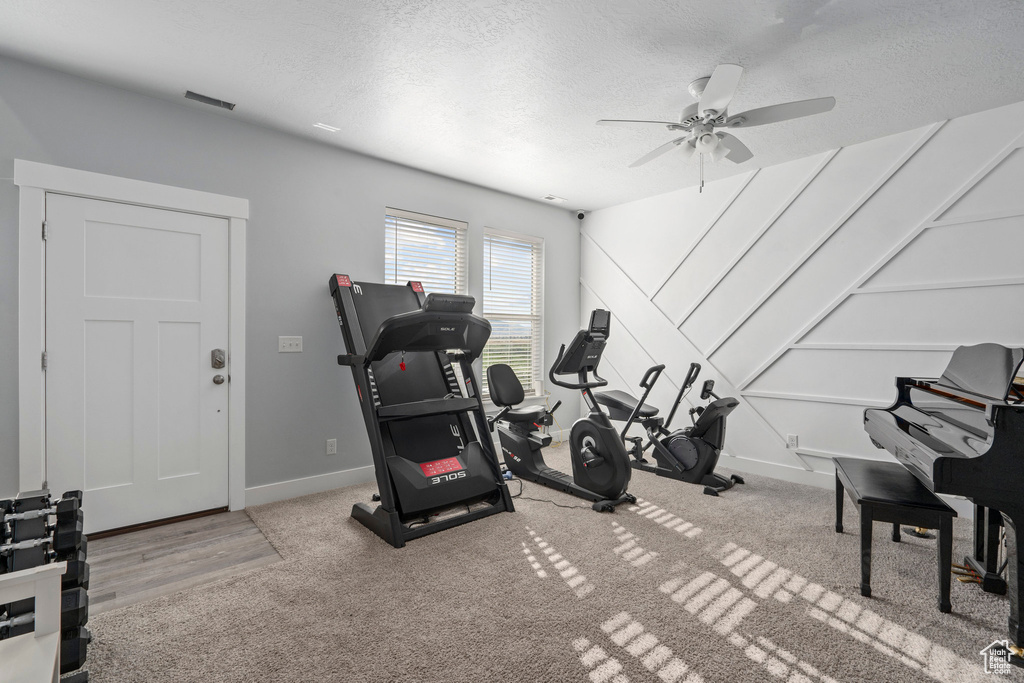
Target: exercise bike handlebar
{"points": [[691, 377], [581, 385], [656, 371]]}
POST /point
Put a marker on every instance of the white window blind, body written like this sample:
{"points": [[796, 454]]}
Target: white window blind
{"points": [[513, 303], [429, 249]]}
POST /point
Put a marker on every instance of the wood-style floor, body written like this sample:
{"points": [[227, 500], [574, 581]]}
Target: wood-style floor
{"points": [[146, 564]]}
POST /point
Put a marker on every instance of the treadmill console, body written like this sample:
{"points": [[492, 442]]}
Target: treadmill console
{"points": [[584, 352]]}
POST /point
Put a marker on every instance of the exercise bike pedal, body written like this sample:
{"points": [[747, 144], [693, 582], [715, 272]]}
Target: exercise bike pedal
{"points": [[737, 478], [710, 491]]}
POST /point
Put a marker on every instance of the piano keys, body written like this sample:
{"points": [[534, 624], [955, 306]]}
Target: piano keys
{"points": [[963, 434]]}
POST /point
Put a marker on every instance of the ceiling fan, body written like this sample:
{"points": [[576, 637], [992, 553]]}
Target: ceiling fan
{"points": [[699, 121]]}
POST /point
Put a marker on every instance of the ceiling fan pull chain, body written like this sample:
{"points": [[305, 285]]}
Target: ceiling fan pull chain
{"points": [[700, 188]]}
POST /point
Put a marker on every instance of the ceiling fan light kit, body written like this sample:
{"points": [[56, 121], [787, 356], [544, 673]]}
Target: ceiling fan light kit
{"points": [[699, 120]]}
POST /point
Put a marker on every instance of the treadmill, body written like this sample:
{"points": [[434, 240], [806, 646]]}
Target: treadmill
{"points": [[432, 451]]}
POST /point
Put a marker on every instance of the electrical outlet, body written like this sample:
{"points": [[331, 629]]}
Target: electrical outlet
{"points": [[792, 440], [332, 446], [289, 344]]}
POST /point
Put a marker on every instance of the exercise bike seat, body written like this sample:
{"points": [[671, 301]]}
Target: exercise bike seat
{"points": [[620, 405]]}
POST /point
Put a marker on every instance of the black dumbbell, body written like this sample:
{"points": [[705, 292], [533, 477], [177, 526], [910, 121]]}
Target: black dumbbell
{"points": [[73, 645], [77, 574], [73, 494], [67, 537], [74, 608]]}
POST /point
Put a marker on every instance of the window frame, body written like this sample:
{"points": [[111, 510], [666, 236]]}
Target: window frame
{"points": [[538, 381]]}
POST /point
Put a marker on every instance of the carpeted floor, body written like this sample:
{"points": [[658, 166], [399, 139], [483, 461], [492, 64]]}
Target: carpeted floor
{"points": [[752, 586]]}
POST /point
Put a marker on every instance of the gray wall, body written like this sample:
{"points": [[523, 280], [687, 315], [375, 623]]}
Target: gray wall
{"points": [[314, 210]]}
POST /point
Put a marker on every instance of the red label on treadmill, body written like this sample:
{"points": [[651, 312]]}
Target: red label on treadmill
{"points": [[344, 281], [432, 469], [416, 287]]}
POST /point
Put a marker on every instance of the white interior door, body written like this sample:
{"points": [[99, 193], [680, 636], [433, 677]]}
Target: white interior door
{"points": [[136, 300]]}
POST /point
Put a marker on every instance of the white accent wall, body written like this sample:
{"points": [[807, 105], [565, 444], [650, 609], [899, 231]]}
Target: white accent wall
{"points": [[804, 289]]}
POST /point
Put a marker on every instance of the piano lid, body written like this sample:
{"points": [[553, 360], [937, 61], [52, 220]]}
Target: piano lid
{"points": [[986, 369]]}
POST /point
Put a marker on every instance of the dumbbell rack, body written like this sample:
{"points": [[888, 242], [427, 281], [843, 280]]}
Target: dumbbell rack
{"points": [[29, 539]]}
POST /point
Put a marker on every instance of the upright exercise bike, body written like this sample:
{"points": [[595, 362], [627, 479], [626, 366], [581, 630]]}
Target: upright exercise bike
{"points": [[600, 465], [689, 454]]}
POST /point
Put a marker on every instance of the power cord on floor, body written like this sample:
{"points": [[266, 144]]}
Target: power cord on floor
{"points": [[541, 500]]}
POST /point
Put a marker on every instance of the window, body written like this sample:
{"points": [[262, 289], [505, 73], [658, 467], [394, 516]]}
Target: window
{"points": [[429, 249], [513, 302]]}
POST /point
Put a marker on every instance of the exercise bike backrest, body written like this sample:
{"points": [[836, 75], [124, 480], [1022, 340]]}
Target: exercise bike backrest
{"points": [[710, 426]]}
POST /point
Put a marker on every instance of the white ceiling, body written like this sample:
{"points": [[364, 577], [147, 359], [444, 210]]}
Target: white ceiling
{"points": [[505, 93]]}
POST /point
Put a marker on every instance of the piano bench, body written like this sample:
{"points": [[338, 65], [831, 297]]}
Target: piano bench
{"points": [[888, 492]]}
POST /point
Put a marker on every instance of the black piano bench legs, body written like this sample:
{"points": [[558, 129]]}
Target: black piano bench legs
{"points": [[888, 493]]}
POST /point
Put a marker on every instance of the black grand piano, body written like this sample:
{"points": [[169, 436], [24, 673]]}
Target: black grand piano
{"points": [[963, 434]]}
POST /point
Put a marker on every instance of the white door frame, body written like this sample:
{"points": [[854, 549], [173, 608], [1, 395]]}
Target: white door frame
{"points": [[34, 180]]}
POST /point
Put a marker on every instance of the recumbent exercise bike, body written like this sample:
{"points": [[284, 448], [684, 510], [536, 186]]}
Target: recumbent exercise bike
{"points": [[600, 465], [689, 454]]}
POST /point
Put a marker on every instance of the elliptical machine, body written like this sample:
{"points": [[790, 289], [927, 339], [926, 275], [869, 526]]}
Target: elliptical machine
{"points": [[689, 454], [600, 465]]}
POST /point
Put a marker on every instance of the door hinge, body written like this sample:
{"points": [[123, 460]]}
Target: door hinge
{"points": [[44, 231], [44, 360]]}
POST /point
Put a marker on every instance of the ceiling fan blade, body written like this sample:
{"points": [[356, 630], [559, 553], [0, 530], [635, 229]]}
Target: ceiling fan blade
{"points": [[781, 112], [738, 152], [719, 90], [657, 152], [630, 122]]}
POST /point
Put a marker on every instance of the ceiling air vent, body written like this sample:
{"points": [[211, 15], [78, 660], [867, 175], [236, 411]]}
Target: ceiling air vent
{"points": [[553, 199], [189, 95]]}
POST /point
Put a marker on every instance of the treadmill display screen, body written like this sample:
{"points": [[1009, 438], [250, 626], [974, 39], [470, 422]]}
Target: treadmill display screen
{"points": [[432, 469]]}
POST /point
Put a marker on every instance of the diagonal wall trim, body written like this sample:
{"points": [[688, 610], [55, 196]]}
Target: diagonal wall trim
{"points": [[632, 281], [742, 251], [976, 218], [810, 251], [832, 346], [930, 286], [818, 398], [711, 224], [952, 199]]}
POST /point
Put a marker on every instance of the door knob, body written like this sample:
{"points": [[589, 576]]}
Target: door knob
{"points": [[218, 379], [217, 359]]}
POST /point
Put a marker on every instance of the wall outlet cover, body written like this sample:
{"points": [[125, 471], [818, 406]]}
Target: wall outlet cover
{"points": [[332, 446], [793, 441]]}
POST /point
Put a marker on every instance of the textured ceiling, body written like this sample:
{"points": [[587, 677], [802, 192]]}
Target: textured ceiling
{"points": [[505, 93]]}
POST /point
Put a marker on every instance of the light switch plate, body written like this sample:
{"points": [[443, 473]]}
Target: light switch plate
{"points": [[289, 344]]}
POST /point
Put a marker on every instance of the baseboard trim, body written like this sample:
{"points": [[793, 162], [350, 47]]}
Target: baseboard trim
{"points": [[824, 480], [293, 488]]}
